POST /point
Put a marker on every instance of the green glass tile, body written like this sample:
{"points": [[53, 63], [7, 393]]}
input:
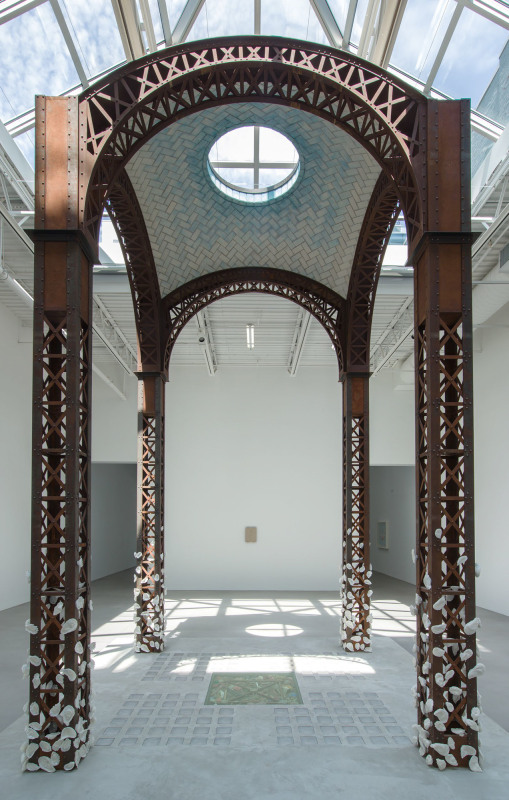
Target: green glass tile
{"points": [[253, 688]]}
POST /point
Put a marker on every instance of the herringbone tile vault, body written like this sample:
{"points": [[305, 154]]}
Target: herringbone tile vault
{"points": [[195, 230]]}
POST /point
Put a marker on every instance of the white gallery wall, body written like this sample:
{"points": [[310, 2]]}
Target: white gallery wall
{"points": [[256, 447], [113, 518], [491, 426], [15, 462], [253, 447], [114, 422], [391, 420], [114, 454], [392, 481], [392, 501]]}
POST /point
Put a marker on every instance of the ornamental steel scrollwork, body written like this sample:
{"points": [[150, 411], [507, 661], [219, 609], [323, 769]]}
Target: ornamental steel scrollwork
{"points": [[135, 103], [324, 304], [379, 220]]}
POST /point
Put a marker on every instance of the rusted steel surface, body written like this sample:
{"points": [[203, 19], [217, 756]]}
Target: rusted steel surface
{"points": [[59, 660], [130, 106], [446, 693], [356, 579], [423, 149], [149, 575], [379, 220], [127, 217], [323, 303]]}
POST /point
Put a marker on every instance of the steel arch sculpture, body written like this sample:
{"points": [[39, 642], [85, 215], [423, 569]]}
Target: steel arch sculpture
{"points": [[82, 147], [328, 307]]}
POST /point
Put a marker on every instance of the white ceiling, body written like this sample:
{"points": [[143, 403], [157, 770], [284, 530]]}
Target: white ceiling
{"points": [[276, 324]]}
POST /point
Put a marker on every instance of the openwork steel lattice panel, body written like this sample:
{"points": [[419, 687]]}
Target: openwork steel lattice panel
{"points": [[379, 220], [127, 218], [356, 579], [59, 661], [149, 574], [324, 304], [446, 622]]}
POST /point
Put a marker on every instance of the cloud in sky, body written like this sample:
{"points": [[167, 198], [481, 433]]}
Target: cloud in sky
{"points": [[35, 59]]}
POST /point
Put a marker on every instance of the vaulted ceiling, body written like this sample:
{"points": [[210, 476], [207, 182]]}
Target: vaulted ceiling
{"points": [[194, 229]]}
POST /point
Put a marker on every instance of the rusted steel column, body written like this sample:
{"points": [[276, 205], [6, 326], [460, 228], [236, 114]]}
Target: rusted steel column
{"points": [[59, 625], [149, 575], [446, 694], [356, 579]]}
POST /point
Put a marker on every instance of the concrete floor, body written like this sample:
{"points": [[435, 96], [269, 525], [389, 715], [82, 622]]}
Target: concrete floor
{"points": [[350, 738]]}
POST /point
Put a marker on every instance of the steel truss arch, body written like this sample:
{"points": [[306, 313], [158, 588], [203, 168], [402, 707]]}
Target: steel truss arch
{"points": [[328, 307], [82, 147], [136, 102], [127, 218], [379, 220]]}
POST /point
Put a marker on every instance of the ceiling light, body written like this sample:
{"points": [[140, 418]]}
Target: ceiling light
{"points": [[250, 336]]}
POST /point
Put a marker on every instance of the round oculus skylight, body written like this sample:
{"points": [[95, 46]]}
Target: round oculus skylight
{"points": [[253, 164]]}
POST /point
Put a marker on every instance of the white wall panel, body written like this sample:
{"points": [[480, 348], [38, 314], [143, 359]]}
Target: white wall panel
{"points": [[392, 420], [392, 500], [113, 525], [491, 393], [114, 422], [253, 447], [15, 462]]}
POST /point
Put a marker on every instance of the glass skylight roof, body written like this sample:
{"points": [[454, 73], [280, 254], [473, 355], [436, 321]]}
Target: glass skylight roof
{"points": [[231, 18], [94, 29], [256, 162], [472, 57], [34, 60], [294, 19], [59, 46]]}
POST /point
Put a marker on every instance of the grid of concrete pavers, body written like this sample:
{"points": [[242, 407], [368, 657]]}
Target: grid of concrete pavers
{"points": [[166, 719], [326, 718], [197, 666], [348, 718]]}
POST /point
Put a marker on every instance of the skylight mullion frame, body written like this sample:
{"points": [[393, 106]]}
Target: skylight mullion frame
{"points": [[69, 41], [252, 164], [17, 8], [453, 22], [186, 20], [165, 22], [148, 25], [257, 17], [256, 154], [327, 22], [352, 8], [496, 15]]}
